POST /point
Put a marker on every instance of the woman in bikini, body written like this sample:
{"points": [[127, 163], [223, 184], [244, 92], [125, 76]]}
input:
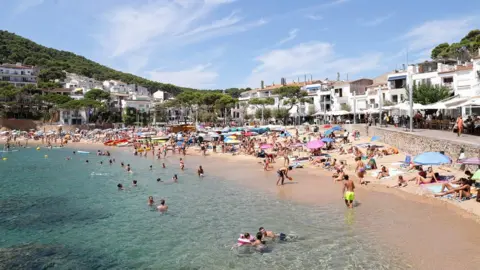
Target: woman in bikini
{"points": [[383, 173], [360, 169], [429, 177]]}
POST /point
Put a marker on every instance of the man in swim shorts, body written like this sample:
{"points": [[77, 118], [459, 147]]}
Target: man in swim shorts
{"points": [[348, 191], [200, 171], [282, 173]]}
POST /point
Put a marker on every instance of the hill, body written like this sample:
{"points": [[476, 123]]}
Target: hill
{"points": [[17, 49], [463, 50]]}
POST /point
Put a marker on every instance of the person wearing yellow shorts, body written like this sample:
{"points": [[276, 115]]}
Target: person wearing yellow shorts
{"points": [[348, 191]]}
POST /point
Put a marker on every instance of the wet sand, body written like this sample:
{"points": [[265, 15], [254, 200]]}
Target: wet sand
{"points": [[430, 233]]}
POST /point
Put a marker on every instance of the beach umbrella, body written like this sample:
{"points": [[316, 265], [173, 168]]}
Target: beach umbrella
{"points": [[327, 126], [470, 161], [336, 128], [266, 146], [298, 145], [327, 140], [249, 133], [476, 175], [233, 142], [431, 158], [315, 144], [232, 137], [375, 138]]}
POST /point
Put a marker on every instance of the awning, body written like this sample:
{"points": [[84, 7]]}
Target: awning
{"points": [[397, 78]]}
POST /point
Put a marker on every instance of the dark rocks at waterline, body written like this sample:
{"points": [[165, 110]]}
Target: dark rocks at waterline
{"points": [[33, 256]]}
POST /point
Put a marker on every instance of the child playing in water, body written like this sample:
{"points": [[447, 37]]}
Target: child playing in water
{"points": [[182, 164]]}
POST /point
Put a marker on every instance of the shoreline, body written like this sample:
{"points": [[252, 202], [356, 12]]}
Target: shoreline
{"points": [[413, 193]]}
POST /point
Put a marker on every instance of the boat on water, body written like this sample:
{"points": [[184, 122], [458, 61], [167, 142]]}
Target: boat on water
{"points": [[114, 142], [124, 144]]}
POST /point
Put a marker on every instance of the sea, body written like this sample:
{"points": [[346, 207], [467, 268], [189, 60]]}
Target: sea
{"points": [[59, 213]]}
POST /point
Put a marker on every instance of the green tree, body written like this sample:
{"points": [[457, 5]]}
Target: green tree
{"points": [[281, 114], [345, 107], [291, 96], [54, 98], [97, 94], [439, 49], [261, 103], [129, 116], [263, 113], [428, 94], [51, 74], [311, 110]]}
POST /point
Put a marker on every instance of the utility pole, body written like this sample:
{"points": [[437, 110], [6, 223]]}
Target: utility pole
{"points": [[410, 111], [354, 107], [380, 105]]}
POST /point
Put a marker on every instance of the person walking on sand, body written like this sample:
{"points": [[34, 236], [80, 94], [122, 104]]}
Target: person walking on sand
{"points": [[459, 126], [348, 191], [360, 170]]}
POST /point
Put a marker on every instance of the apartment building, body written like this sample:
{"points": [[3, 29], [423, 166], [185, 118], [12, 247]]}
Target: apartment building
{"points": [[18, 74]]}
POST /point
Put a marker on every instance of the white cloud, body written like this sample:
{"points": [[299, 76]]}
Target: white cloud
{"points": [[24, 5], [316, 58], [200, 77], [292, 34], [166, 23], [314, 17], [432, 33], [377, 21]]}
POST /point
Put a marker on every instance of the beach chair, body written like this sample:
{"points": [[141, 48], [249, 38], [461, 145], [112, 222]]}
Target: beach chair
{"points": [[406, 162]]}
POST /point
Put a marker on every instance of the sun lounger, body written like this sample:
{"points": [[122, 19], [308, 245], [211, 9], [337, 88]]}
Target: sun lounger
{"points": [[406, 162]]}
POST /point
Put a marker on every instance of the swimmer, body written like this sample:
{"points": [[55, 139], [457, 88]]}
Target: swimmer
{"points": [[101, 162], [200, 171], [175, 178], [150, 201], [258, 242], [134, 183], [266, 233], [348, 191], [162, 207], [122, 164], [163, 165], [86, 161], [182, 164], [120, 187], [74, 152], [159, 180], [67, 158], [151, 167], [110, 161]]}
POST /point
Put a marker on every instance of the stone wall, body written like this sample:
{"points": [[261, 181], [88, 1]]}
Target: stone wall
{"points": [[415, 144]]}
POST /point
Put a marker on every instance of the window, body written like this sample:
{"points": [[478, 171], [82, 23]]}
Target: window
{"points": [[395, 98], [448, 80]]}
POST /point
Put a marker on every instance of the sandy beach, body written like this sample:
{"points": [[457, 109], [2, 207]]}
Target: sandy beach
{"points": [[407, 217]]}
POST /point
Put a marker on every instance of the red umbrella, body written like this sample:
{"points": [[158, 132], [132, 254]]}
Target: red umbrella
{"points": [[327, 126]]}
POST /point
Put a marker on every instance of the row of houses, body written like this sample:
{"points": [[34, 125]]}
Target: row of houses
{"points": [[368, 95]]}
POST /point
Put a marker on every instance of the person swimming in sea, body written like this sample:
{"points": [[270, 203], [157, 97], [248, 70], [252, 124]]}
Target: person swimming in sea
{"points": [[348, 191], [151, 167], [200, 171], [258, 243], [266, 233], [101, 162], [134, 183], [120, 187], [110, 161], [175, 178], [122, 164], [162, 207], [163, 166], [159, 180], [150, 201], [129, 169], [86, 161]]}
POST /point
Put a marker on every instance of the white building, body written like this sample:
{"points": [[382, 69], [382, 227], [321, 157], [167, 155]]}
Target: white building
{"points": [[114, 86], [140, 103], [18, 74], [81, 83], [73, 117]]}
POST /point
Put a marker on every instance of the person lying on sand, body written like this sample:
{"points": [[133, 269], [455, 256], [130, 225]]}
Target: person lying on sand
{"points": [[463, 191], [338, 176]]}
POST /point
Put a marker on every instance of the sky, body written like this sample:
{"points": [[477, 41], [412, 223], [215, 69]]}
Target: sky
{"points": [[216, 44]]}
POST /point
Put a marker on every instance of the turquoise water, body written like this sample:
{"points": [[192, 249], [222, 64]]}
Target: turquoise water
{"points": [[67, 214]]}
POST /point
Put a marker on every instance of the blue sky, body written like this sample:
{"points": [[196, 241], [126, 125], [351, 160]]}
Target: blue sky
{"points": [[210, 44]]}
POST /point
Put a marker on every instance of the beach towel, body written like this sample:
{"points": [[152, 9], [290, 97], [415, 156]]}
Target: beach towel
{"points": [[445, 178], [435, 187], [455, 198], [392, 172]]}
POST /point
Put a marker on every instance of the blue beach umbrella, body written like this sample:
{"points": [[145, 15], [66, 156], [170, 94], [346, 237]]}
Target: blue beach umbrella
{"points": [[375, 138], [336, 128], [431, 158], [328, 132], [327, 140]]}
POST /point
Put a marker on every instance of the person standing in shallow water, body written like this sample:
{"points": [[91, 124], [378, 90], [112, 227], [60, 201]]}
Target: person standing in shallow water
{"points": [[162, 207], [348, 191]]}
